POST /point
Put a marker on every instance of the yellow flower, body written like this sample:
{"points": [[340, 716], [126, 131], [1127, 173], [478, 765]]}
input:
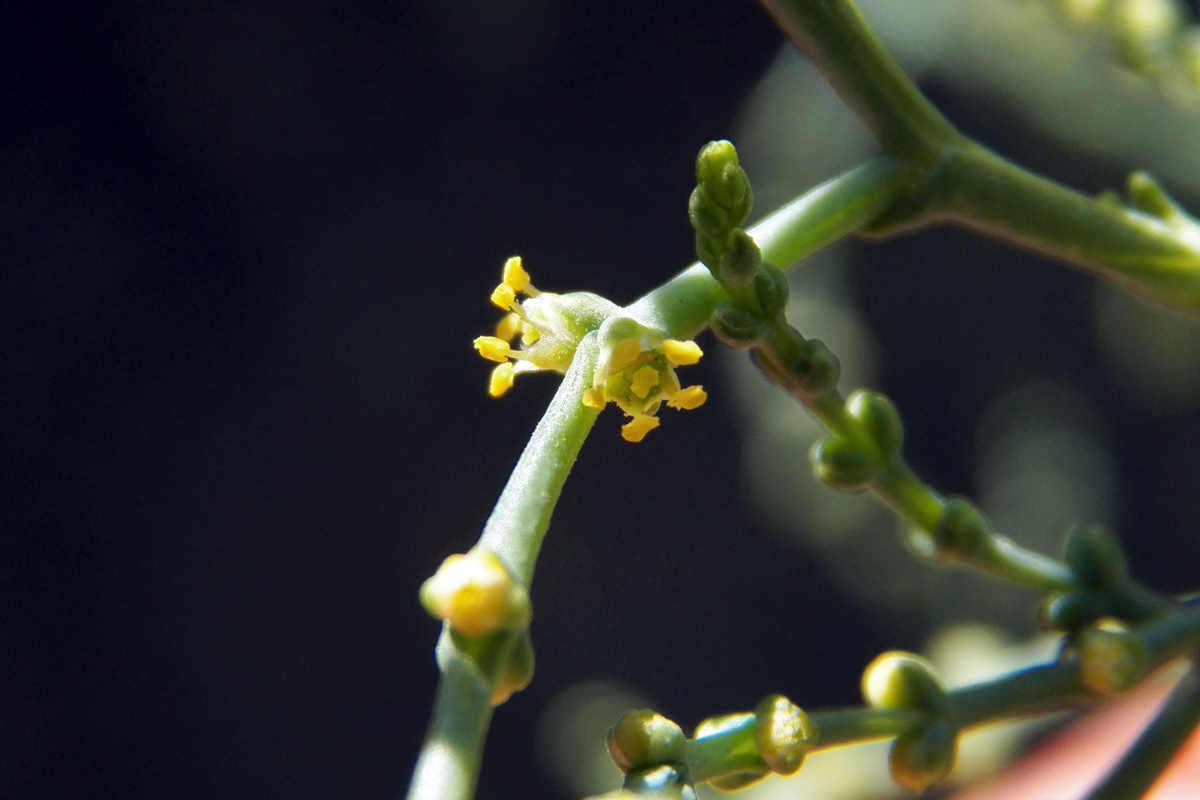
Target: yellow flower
{"points": [[636, 365]]}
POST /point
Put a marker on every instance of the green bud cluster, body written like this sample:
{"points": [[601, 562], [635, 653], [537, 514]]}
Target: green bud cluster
{"points": [[962, 534], [1104, 583], [852, 465], [924, 755]]}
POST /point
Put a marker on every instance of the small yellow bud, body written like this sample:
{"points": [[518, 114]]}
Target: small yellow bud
{"points": [[504, 297], [643, 381], [682, 354], [508, 327], [689, 398], [515, 275], [594, 398], [492, 349], [636, 429], [502, 379], [476, 595]]}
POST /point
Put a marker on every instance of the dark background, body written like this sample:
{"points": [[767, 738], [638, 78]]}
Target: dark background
{"points": [[245, 248]]}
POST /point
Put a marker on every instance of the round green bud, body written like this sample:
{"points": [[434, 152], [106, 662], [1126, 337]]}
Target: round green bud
{"points": [[904, 681], [644, 738], [663, 782], [962, 533], [741, 260], [817, 367], [706, 215], [783, 734], [1068, 610], [1095, 556], [1112, 660], [771, 290], [718, 171], [923, 757], [840, 465], [735, 327], [879, 420], [517, 673]]}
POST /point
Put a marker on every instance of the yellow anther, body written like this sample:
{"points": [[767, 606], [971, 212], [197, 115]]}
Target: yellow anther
{"points": [[689, 398], [682, 354], [504, 297], [502, 379], [530, 336], [636, 429], [594, 398], [492, 349], [515, 275], [508, 327], [625, 354], [643, 381]]}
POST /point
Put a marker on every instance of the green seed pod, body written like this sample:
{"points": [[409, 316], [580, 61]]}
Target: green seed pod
{"points": [[1095, 556], [817, 367], [1069, 610], [741, 260], [1146, 195], [706, 215], [842, 466], [783, 734], [517, 673], [644, 738], [962, 533], [1112, 660], [879, 419], [662, 782], [771, 290], [921, 758], [904, 681], [735, 327]]}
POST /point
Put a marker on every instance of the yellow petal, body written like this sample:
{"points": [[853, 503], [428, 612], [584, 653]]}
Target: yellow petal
{"points": [[502, 379], [515, 275], [504, 297], [492, 349], [689, 398], [594, 398], [643, 381], [508, 327], [682, 354], [636, 429]]}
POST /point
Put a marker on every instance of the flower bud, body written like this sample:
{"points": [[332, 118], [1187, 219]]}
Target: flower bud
{"points": [[817, 367], [476, 595], [709, 250], [741, 260], [644, 738], [879, 420], [706, 215], [783, 734], [1112, 660], [962, 533], [717, 170], [904, 681], [923, 757], [735, 327], [771, 290], [517, 674], [840, 465], [1095, 556], [1068, 610]]}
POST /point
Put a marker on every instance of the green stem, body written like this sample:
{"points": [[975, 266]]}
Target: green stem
{"points": [[836, 37], [448, 766], [1144, 762]]}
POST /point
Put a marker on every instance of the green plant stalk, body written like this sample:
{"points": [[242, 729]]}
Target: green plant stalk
{"points": [[1048, 687], [851, 57], [1149, 755], [448, 766]]}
